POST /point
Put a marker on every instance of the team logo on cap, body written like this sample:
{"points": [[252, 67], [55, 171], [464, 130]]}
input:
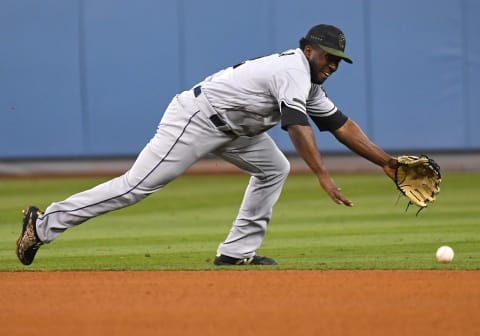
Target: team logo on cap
{"points": [[341, 41]]}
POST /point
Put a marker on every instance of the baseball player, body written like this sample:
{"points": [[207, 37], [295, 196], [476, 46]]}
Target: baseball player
{"points": [[228, 114]]}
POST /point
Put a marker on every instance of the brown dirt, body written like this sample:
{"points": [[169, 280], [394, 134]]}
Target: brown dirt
{"points": [[254, 302]]}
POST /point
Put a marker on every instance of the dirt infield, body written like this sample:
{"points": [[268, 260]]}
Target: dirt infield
{"points": [[254, 302]]}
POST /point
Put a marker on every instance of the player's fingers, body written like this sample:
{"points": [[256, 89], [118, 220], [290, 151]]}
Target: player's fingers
{"points": [[346, 202], [339, 198], [333, 191]]}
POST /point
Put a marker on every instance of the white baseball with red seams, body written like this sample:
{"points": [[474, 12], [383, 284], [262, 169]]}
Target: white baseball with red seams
{"points": [[444, 254]]}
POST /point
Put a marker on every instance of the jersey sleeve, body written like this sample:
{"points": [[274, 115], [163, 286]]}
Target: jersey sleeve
{"points": [[323, 111], [290, 88], [318, 103], [291, 117], [330, 123]]}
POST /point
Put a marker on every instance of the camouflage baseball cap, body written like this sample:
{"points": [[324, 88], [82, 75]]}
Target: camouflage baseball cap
{"points": [[330, 39]]}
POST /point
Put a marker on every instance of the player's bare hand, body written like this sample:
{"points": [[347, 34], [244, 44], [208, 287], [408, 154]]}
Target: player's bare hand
{"points": [[333, 191], [390, 167]]}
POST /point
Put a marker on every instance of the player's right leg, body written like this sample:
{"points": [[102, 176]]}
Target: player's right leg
{"points": [[184, 135]]}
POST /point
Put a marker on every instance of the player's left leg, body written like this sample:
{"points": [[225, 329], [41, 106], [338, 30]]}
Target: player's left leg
{"points": [[260, 157]]}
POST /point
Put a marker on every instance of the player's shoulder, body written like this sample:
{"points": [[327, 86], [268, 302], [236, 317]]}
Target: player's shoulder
{"points": [[293, 58], [287, 58], [290, 63]]}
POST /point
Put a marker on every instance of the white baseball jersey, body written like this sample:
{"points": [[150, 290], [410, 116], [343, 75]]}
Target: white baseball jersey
{"points": [[249, 95]]}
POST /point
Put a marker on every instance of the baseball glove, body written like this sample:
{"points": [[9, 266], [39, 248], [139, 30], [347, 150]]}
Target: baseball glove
{"points": [[418, 178]]}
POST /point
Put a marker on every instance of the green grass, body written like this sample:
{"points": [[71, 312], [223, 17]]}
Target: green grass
{"points": [[181, 226]]}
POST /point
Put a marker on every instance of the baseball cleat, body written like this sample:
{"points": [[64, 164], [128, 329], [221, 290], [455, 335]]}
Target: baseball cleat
{"points": [[28, 243], [223, 260]]}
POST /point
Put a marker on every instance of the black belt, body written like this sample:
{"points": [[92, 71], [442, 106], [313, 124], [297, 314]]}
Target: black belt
{"points": [[221, 125], [197, 90], [215, 119]]}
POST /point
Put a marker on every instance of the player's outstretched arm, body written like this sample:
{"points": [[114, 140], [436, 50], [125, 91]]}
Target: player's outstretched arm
{"points": [[304, 141], [352, 136]]}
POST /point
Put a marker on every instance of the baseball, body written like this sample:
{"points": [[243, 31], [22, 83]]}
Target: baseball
{"points": [[445, 254]]}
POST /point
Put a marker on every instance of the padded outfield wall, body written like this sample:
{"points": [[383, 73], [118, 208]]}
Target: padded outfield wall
{"points": [[91, 78]]}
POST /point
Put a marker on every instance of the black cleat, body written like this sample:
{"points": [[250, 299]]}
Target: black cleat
{"points": [[28, 243], [223, 260]]}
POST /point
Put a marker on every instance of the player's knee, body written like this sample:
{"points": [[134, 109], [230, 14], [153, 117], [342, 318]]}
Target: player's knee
{"points": [[285, 167], [282, 169]]}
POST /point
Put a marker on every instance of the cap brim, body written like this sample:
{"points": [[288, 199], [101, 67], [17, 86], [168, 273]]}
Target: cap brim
{"points": [[338, 53]]}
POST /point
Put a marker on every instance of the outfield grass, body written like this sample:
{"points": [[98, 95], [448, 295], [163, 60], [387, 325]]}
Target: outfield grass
{"points": [[180, 227]]}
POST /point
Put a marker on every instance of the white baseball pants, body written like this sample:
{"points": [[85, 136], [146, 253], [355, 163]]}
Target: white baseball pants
{"points": [[184, 135]]}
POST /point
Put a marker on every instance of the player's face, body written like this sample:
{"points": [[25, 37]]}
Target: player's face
{"points": [[322, 64]]}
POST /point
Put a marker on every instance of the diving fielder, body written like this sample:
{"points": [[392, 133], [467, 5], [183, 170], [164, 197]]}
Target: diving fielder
{"points": [[228, 114]]}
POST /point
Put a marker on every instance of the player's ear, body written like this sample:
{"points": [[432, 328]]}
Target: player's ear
{"points": [[308, 50]]}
